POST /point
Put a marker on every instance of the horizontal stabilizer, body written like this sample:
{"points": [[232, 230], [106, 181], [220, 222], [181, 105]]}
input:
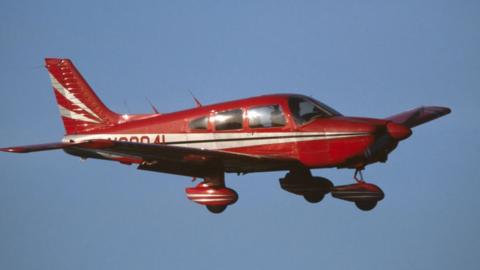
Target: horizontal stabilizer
{"points": [[419, 115]]}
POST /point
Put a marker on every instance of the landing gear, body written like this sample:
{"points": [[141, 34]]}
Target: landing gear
{"points": [[301, 182], [213, 194], [216, 197], [364, 195], [313, 189], [318, 188]]}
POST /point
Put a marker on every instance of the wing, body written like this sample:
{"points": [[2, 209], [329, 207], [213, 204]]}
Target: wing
{"points": [[166, 158], [53, 146], [419, 115]]}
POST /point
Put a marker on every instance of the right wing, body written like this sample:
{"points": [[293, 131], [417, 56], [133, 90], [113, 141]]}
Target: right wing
{"points": [[419, 115]]}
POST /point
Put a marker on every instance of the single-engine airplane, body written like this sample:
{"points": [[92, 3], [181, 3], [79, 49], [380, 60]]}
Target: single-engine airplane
{"points": [[283, 132]]}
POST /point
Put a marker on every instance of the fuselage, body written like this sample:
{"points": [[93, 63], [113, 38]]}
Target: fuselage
{"points": [[284, 125]]}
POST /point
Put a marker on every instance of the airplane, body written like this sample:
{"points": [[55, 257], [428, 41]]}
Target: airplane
{"points": [[279, 132]]}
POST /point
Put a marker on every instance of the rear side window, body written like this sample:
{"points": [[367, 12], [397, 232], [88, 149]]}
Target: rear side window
{"points": [[229, 120], [266, 117], [199, 123]]}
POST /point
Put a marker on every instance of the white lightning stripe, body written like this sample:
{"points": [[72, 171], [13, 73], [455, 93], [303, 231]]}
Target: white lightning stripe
{"points": [[207, 140], [75, 116], [71, 97]]}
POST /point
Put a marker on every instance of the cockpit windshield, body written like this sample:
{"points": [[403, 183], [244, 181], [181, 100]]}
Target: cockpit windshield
{"points": [[304, 109]]}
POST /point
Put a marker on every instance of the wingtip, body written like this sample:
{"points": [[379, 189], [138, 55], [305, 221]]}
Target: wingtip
{"points": [[441, 110], [13, 150]]}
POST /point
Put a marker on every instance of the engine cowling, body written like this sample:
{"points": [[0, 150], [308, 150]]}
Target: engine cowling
{"points": [[211, 195]]}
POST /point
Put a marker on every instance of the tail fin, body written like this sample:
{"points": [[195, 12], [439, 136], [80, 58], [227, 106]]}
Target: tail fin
{"points": [[80, 108]]}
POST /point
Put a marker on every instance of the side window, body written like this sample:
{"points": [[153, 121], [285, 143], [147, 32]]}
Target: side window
{"points": [[228, 120], [199, 123], [266, 117]]}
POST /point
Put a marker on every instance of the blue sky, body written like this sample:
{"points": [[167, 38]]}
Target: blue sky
{"points": [[365, 58]]}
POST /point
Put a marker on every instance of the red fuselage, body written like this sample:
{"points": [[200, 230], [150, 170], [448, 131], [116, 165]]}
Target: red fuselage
{"points": [[326, 140]]}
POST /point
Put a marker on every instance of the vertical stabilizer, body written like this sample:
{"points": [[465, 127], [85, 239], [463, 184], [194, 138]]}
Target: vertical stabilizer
{"points": [[80, 108]]}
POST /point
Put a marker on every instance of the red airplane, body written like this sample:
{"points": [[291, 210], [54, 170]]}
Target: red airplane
{"points": [[284, 132]]}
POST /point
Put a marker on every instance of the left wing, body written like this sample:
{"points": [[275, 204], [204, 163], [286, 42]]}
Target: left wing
{"points": [[52, 146], [170, 159]]}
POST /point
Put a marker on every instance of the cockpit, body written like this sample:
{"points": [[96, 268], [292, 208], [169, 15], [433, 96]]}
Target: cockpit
{"points": [[305, 109], [264, 115]]}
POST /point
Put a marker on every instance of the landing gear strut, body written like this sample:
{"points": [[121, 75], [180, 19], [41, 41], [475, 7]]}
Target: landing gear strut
{"points": [[358, 172], [363, 194]]}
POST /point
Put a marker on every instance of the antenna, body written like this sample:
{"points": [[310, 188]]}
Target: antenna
{"points": [[151, 105], [126, 106], [197, 102]]}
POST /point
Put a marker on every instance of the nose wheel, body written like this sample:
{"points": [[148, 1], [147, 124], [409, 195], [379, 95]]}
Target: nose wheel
{"points": [[366, 205], [363, 194]]}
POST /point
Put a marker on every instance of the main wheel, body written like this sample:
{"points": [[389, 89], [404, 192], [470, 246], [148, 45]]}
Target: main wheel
{"points": [[314, 198], [216, 209], [321, 186], [366, 205]]}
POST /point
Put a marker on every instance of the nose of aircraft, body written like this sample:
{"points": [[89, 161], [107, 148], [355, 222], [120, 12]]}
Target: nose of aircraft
{"points": [[398, 132]]}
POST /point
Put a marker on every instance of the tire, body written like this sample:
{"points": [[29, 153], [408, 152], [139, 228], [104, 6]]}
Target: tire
{"points": [[366, 205], [216, 209], [314, 198], [327, 183]]}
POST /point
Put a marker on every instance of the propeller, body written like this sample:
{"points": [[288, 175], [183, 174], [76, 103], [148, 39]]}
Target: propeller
{"points": [[397, 131], [388, 137]]}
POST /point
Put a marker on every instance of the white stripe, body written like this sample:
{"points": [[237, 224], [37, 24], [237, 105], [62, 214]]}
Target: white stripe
{"points": [[75, 116], [71, 97], [113, 156], [189, 137], [209, 195], [211, 200]]}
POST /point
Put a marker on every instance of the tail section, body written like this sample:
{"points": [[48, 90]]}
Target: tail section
{"points": [[80, 108]]}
